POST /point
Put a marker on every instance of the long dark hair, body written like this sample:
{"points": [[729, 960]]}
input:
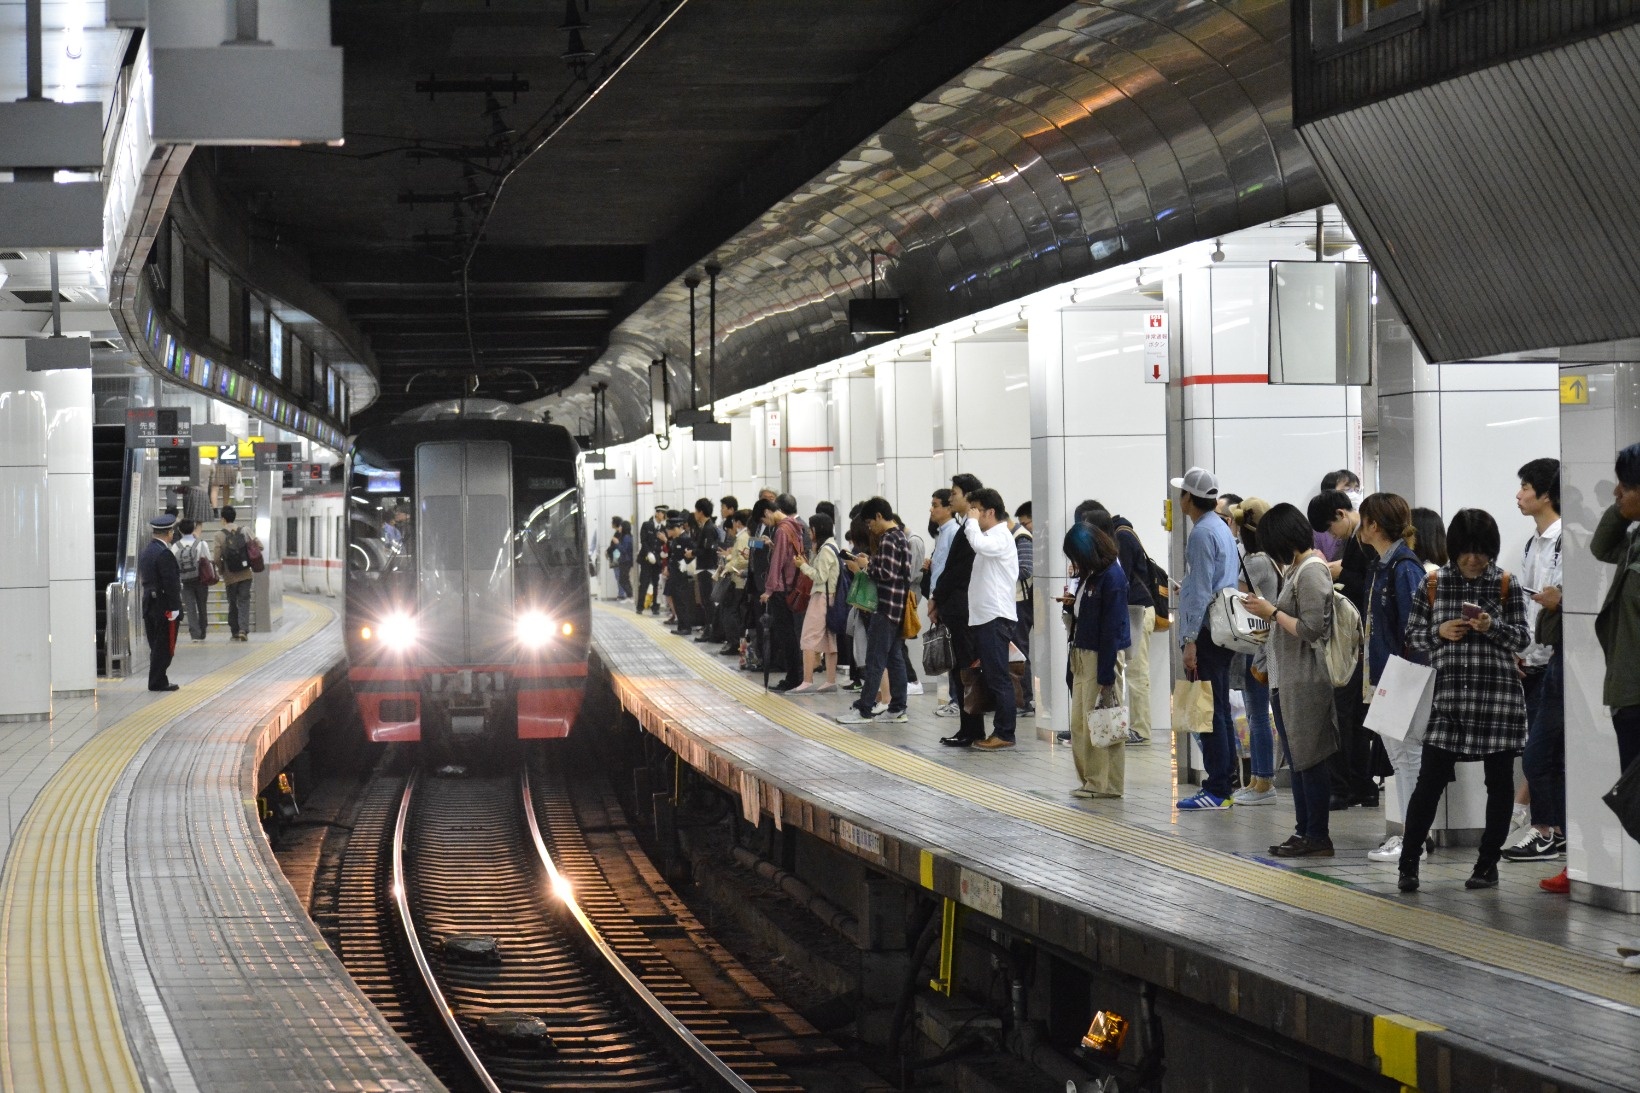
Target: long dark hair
{"points": [[820, 527], [1431, 544]]}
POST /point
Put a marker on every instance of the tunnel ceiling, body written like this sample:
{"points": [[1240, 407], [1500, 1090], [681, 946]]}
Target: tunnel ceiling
{"points": [[1108, 132], [728, 107]]}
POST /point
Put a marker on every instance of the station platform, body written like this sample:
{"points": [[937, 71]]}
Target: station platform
{"points": [[149, 940], [1446, 989]]}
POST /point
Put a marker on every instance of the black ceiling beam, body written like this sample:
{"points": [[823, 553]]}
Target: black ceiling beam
{"points": [[365, 308], [396, 341], [618, 264], [936, 53]]}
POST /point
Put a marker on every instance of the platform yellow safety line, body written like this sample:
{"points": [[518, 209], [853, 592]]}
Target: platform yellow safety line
{"points": [[57, 1007], [1400, 920]]}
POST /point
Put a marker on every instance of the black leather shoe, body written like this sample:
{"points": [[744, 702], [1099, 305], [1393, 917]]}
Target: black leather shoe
{"points": [[1293, 841], [957, 741], [1339, 803], [1305, 848], [1482, 878], [178, 687], [1408, 882]]}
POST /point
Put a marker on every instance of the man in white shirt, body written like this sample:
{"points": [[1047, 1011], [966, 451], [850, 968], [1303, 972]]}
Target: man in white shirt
{"points": [[1544, 760], [991, 612]]}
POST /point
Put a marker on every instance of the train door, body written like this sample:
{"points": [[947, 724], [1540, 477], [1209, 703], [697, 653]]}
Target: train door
{"points": [[464, 544]]}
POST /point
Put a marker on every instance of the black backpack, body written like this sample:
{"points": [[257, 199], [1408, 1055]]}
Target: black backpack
{"points": [[236, 554]]}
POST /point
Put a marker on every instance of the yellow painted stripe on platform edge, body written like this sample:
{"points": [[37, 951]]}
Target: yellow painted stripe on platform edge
{"points": [[1402, 921], [1395, 1042], [925, 869], [57, 1007]]}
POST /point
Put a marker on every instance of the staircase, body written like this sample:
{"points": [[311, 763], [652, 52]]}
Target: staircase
{"points": [[108, 482]]}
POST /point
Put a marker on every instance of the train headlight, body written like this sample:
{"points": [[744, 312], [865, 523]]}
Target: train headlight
{"points": [[534, 630], [397, 632]]}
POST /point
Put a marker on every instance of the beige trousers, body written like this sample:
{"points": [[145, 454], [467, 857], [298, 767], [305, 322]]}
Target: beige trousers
{"points": [[1133, 669], [1102, 770]]}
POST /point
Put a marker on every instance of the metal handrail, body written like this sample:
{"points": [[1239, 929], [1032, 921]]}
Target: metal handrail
{"points": [[117, 630]]}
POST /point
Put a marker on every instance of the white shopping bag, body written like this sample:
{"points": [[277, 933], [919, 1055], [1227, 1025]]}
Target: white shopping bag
{"points": [[1401, 701]]}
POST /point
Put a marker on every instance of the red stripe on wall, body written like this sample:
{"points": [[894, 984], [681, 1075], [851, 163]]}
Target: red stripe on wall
{"points": [[827, 448], [649, 483], [1226, 377]]}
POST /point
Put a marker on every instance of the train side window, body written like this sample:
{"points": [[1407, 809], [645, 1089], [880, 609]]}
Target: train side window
{"points": [[1336, 24], [293, 536]]}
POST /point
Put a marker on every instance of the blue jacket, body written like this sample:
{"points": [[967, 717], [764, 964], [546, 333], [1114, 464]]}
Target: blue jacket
{"points": [[1394, 583], [1102, 620]]}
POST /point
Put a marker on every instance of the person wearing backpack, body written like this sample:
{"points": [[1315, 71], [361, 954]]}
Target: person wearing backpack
{"points": [[1133, 669], [1025, 598], [233, 547], [1394, 583], [1471, 623], [190, 552], [1301, 685]]}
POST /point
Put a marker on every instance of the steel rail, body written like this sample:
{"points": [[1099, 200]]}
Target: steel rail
{"points": [[401, 900], [563, 891]]}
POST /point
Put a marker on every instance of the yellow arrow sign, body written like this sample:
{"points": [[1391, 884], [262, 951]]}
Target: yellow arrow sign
{"points": [[1574, 390]]}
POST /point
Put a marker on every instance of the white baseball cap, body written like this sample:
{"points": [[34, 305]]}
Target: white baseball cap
{"points": [[1198, 482]]}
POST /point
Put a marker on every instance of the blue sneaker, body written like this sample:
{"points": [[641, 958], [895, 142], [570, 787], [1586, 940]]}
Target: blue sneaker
{"points": [[1204, 800]]}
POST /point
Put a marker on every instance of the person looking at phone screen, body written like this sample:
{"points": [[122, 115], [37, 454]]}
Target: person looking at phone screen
{"points": [[1479, 708]]}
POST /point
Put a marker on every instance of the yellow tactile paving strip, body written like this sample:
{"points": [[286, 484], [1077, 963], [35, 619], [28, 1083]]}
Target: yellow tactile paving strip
{"points": [[1446, 933], [57, 1003]]}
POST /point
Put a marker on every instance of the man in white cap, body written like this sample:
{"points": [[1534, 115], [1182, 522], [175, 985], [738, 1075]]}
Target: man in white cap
{"points": [[1211, 563], [160, 579]]}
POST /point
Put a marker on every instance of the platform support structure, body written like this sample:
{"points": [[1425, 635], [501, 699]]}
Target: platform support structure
{"points": [[950, 932]]}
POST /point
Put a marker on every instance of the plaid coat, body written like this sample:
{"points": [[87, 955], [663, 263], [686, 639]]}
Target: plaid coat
{"points": [[1479, 706]]}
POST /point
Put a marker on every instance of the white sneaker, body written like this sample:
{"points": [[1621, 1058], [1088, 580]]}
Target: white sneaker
{"points": [[880, 708], [914, 688], [1390, 851], [1247, 795], [949, 709]]}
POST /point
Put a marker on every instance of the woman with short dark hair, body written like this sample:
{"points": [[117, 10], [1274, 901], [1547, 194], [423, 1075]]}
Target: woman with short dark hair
{"points": [[1099, 632], [1301, 690], [1471, 623]]}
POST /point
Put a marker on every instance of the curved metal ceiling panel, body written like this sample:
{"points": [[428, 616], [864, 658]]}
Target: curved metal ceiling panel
{"points": [[1119, 129]]}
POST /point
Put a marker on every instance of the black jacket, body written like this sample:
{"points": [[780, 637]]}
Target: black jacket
{"points": [[708, 541], [1355, 572], [649, 541], [951, 594], [161, 578], [1130, 552]]}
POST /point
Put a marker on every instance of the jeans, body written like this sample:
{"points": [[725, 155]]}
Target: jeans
{"points": [[193, 608], [1260, 735], [239, 607], [1312, 789], [884, 652], [1022, 638], [1352, 763], [1544, 760], [992, 639], [1219, 746], [1433, 777], [1626, 723]]}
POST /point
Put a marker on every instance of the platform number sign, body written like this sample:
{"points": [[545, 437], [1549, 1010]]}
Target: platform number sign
{"points": [[1155, 355], [159, 427]]}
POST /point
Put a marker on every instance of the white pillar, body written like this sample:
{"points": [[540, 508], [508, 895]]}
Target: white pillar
{"points": [[1098, 431], [741, 468], [1602, 861], [25, 588], [854, 413], [982, 413], [906, 473], [70, 413], [808, 448]]}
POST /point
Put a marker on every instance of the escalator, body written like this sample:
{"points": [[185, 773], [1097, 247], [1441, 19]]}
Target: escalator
{"points": [[109, 476]]}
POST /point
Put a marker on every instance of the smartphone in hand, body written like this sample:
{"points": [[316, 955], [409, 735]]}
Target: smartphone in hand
{"points": [[1470, 610]]}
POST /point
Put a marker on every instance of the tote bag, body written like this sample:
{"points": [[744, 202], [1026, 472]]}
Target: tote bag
{"points": [[1192, 706], [862, 593], [1107, 725], [1400, 703]]}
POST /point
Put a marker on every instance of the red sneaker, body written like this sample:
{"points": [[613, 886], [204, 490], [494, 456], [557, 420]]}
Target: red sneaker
{"points": [[1560, 884]]}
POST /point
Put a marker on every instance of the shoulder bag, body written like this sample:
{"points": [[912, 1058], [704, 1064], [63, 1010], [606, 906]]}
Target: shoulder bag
{"points": [[207, 572], [862, 592], [910, 622], [1234, 627], [937, 657]]}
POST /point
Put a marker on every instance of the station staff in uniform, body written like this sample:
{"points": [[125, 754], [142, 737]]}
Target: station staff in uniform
{"points": [[160, 578]]}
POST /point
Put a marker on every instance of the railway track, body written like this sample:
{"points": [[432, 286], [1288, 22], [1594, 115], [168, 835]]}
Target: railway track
{"points": [[522, 968]]}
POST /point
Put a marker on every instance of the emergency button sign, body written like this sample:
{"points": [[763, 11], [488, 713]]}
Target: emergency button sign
{"points": [[1155, 347]]}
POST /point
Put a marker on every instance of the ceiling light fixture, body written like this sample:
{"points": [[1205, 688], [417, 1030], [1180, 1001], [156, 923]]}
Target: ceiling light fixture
{"points": [[875, 316]]}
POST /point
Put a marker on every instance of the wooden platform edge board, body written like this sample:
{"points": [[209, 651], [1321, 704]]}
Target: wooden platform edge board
{"points": [[58, 1008]]}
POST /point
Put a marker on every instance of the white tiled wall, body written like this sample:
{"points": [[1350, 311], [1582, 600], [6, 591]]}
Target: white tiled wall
{"points": [[906, 473]]}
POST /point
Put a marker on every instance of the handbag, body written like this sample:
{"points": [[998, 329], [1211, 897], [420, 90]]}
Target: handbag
{"points": [[720, 589], [1193, 706], [1401, 702], [1107, 725], [797, 596], [937, 656], [862, 593], [1624, 799], [253, 553], [1233, 626], [911, 622], [207, 572]]}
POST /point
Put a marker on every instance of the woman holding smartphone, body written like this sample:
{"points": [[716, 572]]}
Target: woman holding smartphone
{"points": [[1470, 622]]}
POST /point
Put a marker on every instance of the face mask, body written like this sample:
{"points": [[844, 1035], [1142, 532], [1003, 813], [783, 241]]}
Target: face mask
{"points": [[1355, 496]]}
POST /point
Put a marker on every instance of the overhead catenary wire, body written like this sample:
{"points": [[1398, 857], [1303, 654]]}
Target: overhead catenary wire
{"points": [[570, 102]]}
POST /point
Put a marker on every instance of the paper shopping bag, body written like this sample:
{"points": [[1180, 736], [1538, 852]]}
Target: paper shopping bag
{"points": [[1401, 701], [1192, 706]]}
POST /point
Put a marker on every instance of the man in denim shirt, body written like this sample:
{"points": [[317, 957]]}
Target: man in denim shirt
{"points": [[1211, 563]]}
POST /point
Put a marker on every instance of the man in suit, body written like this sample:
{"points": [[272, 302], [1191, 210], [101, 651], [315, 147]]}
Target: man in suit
{"points": [[950, 609], [160, 583], [650, 534]]}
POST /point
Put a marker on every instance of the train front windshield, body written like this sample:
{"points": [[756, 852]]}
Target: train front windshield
{"points": [[403, 542]]}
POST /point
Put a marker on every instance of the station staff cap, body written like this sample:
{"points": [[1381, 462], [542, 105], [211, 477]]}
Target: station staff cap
{"points": [[165, 521], [1198, 482]]}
